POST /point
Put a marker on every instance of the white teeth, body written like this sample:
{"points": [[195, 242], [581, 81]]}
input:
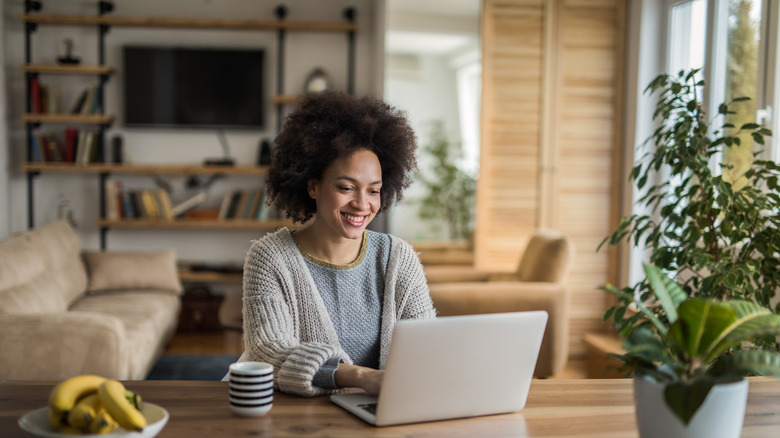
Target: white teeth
{"points": [[353, 218]]}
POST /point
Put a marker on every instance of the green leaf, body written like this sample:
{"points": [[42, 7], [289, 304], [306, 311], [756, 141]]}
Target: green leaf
{"points": [[752, 320], [749, 362], [700, 326], [684, 398], [666, 290]]}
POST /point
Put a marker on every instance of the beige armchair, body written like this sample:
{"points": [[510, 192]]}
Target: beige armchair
{"points": [[538, 284]]}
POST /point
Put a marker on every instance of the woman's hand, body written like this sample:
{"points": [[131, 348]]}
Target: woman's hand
{"points": [[369, 379]]}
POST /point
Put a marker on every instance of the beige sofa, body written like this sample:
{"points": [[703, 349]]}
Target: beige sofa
{"points": [[64, 311]]}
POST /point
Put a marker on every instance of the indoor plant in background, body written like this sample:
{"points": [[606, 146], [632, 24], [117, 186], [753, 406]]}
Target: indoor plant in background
{"points": [[691, 354], [721, 242], [451, 191]]}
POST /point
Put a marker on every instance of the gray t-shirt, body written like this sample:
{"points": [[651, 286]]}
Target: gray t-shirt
{"points": [[353, 295]]}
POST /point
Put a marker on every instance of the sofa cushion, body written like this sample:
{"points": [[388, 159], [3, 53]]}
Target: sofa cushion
{"points": [[149, 318], [111, 271], [40, 270]]}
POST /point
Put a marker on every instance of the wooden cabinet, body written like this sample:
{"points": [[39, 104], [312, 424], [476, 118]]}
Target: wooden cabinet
{"points": [[551, 139]]}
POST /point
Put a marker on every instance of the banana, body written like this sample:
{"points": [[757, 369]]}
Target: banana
{"points": [[84, 411], [65, 394], [134, 398], [57, 418], [103, 423], [112, 397]]}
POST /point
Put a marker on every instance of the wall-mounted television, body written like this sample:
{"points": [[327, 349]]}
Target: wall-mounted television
{"points": [[193, 87]]}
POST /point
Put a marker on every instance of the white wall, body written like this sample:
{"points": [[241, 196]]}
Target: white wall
{"points": [[304, 52]]}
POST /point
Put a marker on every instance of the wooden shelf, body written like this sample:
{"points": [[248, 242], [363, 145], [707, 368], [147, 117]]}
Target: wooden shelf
{"points": [[68, 69], [208, 276], [88, 20], [194, 223], [100, 119], [143, 169]]}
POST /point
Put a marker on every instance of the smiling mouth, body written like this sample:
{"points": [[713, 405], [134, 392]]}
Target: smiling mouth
{"points": [[354, 220]]}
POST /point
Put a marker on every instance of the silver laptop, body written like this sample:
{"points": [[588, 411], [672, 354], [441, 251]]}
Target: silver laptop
{"points": [[454, 367]]}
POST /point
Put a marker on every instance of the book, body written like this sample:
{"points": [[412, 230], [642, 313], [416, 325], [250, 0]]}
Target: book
{"points": [[79, 102], [71, 139], [188, 204], [88, 100], [235, 198], [35, 148], [261, 207], [54, 150], [164, 202], [112, 210], [223, 208], [138, 205], [128, 208], [242, 201], [94, 103], [251, 200], [51, 101], [150, 205], [35, 95]]}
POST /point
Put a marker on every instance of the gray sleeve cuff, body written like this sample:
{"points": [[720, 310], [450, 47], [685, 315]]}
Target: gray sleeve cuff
{"points": [[325, 377]]}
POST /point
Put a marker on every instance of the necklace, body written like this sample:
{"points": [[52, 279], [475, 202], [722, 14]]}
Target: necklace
{"points": [[329, 265]]}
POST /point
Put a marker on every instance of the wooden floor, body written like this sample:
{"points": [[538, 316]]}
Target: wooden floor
{"points": [[229, 342]]}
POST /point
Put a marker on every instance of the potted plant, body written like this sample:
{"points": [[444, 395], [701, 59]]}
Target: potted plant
{"points": [[451, 191], [690, 356], [719, 232]]}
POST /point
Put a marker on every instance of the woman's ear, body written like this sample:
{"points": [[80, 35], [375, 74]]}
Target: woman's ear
{"points": [[312, 188]]}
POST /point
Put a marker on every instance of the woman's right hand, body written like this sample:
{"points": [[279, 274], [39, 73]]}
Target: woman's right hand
{"points": [[369, 379]]}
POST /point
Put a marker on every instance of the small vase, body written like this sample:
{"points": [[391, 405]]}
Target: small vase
{"points": [[721, 415]]}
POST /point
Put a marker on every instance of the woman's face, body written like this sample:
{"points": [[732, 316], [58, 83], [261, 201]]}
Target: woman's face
{"points": [[347, 196]]}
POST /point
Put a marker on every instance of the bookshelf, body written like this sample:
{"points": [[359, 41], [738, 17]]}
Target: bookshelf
{"points": [[32, 18]]}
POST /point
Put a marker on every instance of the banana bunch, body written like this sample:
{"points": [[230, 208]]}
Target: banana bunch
{"points": [[94, 405]]}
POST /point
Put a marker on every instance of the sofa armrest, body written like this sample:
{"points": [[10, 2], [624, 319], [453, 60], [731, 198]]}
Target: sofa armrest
{"points": [[453, 274], [512, 296], [55, 346]]}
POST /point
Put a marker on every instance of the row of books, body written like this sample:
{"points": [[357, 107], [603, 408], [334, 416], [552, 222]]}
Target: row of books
{"points": [[45, 99], [245, 205], [155, 204], [150, 204], [80, 146]]}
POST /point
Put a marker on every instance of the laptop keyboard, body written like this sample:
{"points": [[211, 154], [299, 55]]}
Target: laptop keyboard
{"points": [[370, 407]]}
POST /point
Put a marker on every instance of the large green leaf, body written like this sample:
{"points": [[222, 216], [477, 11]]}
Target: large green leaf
{"points": [[666, 290], [685, 398], [701, 323], [749, 362], [752, 320]]}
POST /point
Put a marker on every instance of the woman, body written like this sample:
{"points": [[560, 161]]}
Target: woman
{"points": [[320, 303]]}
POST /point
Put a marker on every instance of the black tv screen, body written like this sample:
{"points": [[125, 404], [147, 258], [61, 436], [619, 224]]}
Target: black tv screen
{"points": [[187, 87]]}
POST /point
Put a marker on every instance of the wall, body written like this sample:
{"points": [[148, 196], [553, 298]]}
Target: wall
{"points": [[304, 52], [427, 90], [5, 165]]}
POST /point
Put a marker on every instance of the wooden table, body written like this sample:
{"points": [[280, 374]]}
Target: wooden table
{"points": [[556, 408]]}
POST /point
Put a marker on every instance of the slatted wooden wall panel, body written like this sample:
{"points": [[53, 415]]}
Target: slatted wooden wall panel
{"points": [[552, 93], [508, 187], [589, 83]]}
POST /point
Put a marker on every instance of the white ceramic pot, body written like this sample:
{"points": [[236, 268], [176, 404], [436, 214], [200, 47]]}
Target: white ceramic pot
{"points": [[721, 415]]}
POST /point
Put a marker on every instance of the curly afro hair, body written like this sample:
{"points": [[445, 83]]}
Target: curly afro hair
{"points": [[331, 125]]}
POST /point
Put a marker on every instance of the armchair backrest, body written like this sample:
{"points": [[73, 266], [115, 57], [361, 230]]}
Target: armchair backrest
{"points": [[547, 257]]}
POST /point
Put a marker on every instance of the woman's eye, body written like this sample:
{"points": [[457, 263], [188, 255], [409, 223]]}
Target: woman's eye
{"points": [[345, 188]]}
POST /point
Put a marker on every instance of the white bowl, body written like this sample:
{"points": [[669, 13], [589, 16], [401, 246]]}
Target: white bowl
{"points": [[261, 393], [36, 424]]}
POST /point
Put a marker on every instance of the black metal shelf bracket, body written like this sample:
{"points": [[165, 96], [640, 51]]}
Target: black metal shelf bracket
{"points": [[350, 14], [281, 13]]}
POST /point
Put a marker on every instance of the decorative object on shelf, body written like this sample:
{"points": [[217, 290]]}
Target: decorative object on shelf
{"points": [[65, 210], [264, 153], [225, 160], [68, 58], [317, 81]]}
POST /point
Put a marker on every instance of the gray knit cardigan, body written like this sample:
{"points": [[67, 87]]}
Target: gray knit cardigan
{"points": [[285, 320]]}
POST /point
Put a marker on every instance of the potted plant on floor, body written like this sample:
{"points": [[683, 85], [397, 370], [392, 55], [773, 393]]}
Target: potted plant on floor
{"points": [[690, 356]]}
